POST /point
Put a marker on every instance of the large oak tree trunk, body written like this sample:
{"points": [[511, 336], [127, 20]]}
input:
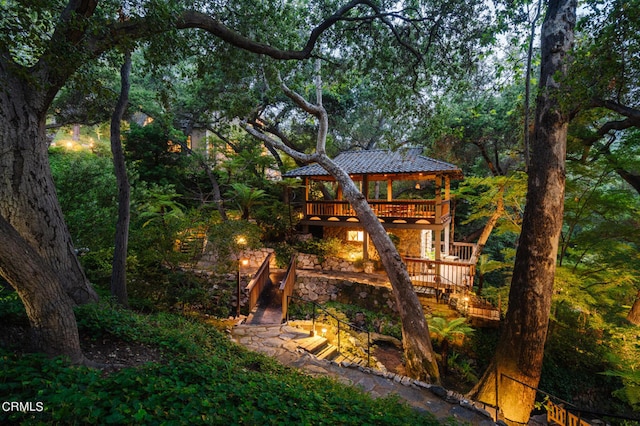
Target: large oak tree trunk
{"points": [[37, 256], [520, 351], [28, 198]]}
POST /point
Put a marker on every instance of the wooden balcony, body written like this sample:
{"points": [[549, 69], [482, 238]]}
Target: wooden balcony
{"points": [[397, 211]]}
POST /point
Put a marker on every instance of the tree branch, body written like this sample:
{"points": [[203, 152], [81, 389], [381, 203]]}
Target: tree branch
{"points": [[296, 155], [316, 110]]}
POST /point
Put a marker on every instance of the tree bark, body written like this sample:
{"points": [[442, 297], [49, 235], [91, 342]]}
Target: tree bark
{"points": [[53, 324], [634, 314], [119, 265], [521, 348], [28, 199]]}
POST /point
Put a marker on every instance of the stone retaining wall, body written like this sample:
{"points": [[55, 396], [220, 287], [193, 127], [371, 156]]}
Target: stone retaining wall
{"points": [[311, 261], [257, 256], [322, 288]]}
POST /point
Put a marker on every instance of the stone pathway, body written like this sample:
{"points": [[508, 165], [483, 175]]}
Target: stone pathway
{"points": [[281, 342]]}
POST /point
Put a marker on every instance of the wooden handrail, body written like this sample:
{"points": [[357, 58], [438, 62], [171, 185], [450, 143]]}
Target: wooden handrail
{"points": [[258, 282], [287, 284]]}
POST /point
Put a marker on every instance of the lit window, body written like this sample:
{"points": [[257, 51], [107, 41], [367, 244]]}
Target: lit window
{"points": [[355, 236]]}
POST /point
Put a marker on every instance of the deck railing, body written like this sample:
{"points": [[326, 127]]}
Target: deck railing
{"points": [[465, 251], [407, 209], [258, 282], [440, 275], [287, 284]]}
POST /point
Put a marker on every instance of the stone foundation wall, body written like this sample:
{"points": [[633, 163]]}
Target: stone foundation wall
{"points": [[410, 241]]}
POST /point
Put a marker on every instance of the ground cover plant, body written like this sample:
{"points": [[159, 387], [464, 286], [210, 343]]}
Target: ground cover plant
{"points": [[201, 377]]}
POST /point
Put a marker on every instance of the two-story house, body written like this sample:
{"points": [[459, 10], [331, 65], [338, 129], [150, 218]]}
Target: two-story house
{"points": [[411, 196]]}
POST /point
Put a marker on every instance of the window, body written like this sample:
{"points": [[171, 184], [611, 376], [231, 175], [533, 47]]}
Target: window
{"points": [[355, 236]]}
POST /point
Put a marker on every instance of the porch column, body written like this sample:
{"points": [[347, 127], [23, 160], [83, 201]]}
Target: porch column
{"points": [[389, 190], [365, 245], [438, 220], [307, 183], [365, 186], [446, 240], [438, 201]]}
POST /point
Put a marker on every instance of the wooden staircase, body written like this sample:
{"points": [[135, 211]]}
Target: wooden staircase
{"points": [[320, 347]]}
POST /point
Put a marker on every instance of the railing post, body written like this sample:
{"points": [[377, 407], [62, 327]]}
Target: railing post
{"points": [[497, 405], [313, 323], [368, 349], [339, 335], [287, 311]]}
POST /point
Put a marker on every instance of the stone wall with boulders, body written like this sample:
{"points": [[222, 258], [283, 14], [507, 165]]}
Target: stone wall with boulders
{"points": [[324, 287], [254, 258], [312, 261]]}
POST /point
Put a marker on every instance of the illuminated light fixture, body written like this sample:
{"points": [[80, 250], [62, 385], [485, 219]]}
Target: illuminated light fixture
{"points": [[241, 240], [422, 221], [315, 218], [244, 262], [352, 219], [333, 219], [417, 185], [324, 332], [399, 221]]}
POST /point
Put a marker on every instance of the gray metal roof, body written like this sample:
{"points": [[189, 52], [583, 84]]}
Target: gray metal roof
{"points": [[379, 161]]}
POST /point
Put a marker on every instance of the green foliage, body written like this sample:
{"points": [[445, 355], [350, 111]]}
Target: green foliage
{"points": [[224, 241], [274, 217], [86, 189], [450, 330], [11, 307], [147, 148], [283, 253], [203, 379], [246, 198], [320, 247]]}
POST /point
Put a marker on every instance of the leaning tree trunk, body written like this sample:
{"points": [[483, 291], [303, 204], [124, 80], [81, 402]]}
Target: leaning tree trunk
{"points": [[119, 265], [521, 347], [418, 351]]}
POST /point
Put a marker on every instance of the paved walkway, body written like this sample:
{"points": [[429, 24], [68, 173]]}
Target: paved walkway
{"points": [[280, 342]]}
